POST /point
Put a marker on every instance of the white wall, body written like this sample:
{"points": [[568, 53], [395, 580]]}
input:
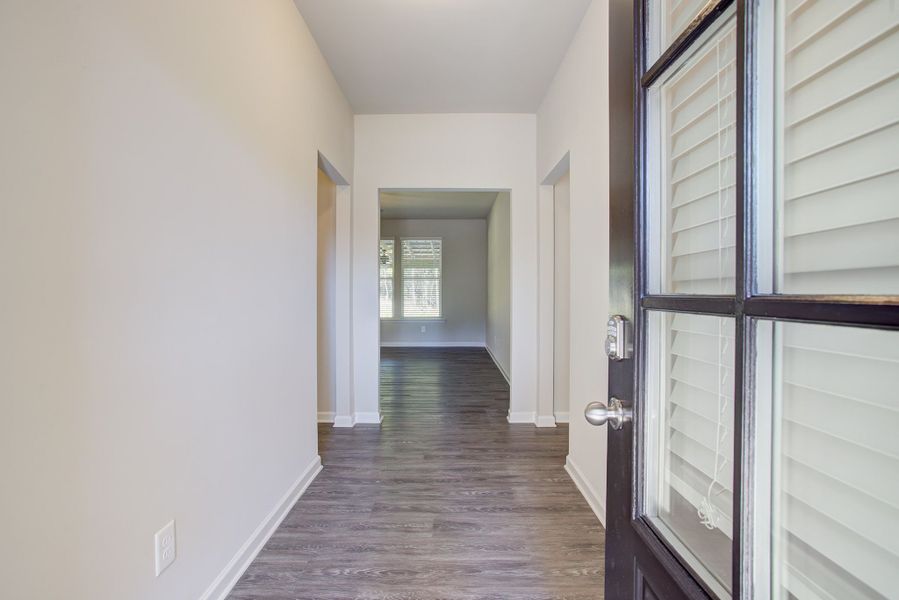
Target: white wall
{"points": [[573, 117], [326, 297], [461, 151], [499, 284], [157, 253], [464, 300], [561, 296]]}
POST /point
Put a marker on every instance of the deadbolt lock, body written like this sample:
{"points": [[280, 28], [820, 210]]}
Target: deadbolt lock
{"points": [[618, 345]]}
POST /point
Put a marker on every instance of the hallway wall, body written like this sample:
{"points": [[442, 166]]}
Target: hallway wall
{"points": [[464, 296], [499, 285], [157, 257], [446, 151], [574, 117]]}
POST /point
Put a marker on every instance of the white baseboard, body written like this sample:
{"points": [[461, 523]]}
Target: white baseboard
{"points": [[359, 418], [521, 417], [344, 421], [370, 418], [432, 344], [498, 366], [325, 417], [228, 578], [589, 494], [562, 417], [546, 421]]}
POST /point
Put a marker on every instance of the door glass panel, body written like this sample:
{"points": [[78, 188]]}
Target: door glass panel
{"points": [[691, 170], [833, 477], [837, 164], [667, 20], [834, 489], [689, 440]]}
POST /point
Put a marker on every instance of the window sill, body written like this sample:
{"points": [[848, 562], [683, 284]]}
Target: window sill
{"points": [[414, 320]]}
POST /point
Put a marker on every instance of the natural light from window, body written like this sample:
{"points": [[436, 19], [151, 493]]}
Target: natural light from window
{"points": [[417, 271], [386, 257]]}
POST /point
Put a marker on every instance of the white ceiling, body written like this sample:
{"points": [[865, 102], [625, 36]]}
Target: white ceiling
{"points": [[443, 56], [411, 204]]}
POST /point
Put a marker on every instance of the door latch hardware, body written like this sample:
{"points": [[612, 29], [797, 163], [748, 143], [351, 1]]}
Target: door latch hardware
{"points": [[614, 414], [618, 345]]}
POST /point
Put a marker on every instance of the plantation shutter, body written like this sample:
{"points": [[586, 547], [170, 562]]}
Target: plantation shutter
{"points": [[839, 211], [840, 207], [421, 265], [699, 112], [839, 460], [386, 283]]}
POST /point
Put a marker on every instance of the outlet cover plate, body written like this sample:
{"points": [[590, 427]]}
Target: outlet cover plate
{"points": [[165, 547]]}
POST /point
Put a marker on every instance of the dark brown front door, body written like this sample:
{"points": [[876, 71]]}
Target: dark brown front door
{"points": [[754, 248]]}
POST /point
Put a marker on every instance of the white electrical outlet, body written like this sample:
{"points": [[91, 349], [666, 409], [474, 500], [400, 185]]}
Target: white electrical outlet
{"points": [[424, 328], [165, 547]]}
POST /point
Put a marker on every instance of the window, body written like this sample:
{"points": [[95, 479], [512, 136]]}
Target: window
{"points": [[693, 113], [691, 246], [837, 167], [690, 388], [417, 270], [386, 286], [828, 484], [421, 266], [834, 455]]}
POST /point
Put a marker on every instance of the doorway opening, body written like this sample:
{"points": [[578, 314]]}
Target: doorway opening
{"points": [[444, 276], [334, 402], [554, 301], [326, 270]]}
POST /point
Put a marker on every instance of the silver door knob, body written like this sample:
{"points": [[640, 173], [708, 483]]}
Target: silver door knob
{"points": [[615, 414]]}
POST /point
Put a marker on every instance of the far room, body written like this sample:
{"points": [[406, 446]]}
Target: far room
{"points": [[444, 294]]}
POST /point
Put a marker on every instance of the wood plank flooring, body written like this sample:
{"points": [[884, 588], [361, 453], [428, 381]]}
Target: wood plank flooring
{"points": [[443, 500]]}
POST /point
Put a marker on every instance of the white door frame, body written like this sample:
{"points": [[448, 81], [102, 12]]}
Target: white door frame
{"points": [[343, 289], [546, 254]]}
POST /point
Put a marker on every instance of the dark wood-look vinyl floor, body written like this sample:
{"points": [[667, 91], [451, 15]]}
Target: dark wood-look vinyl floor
{"points": [[443, 500]]}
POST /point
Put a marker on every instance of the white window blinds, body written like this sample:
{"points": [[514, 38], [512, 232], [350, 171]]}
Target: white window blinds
{"points": [[836, 481], [386, 283], [839, 163], [697, 117], [421, 266], [691, 184], [690, 442], [701, 413]]}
